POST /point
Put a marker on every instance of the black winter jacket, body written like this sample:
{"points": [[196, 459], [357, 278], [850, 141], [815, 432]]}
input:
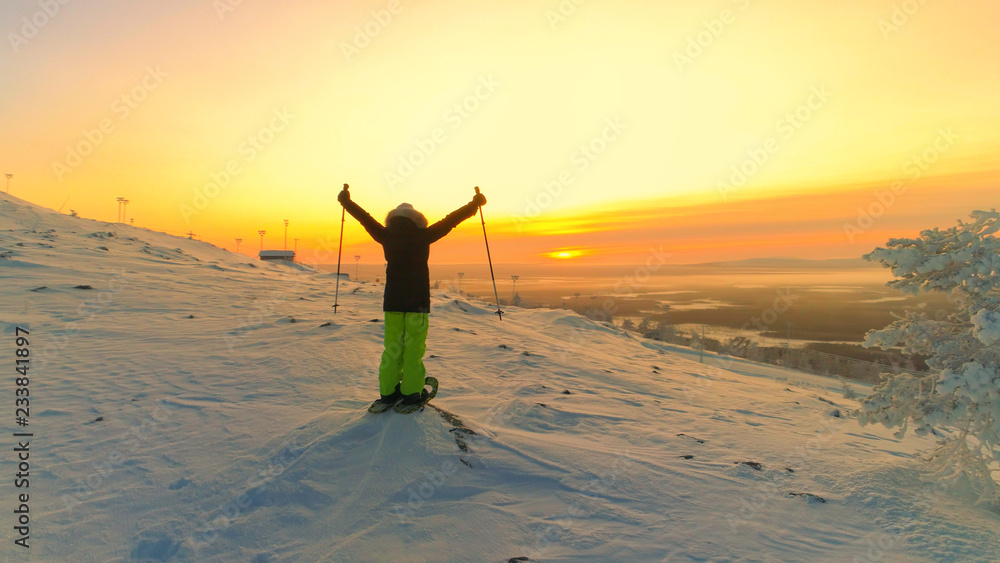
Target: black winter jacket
{"points": [[407, 248]]}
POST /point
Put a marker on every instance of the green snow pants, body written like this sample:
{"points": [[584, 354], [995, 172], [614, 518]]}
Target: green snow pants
{"points": [[403, 358]]}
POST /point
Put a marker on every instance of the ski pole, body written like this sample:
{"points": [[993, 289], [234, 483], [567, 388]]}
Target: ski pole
{"points": [[495, 294], [343, 217]]}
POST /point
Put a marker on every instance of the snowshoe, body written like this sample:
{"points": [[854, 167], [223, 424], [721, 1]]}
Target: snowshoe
{"points": [[386, 402], [414, 403]]}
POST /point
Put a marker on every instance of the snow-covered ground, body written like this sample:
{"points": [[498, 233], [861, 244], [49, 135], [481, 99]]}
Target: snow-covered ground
{"points": [[196, 405]]}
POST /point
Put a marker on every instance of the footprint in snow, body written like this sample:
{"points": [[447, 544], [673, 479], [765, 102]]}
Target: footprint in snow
{"points": [[182, 482], [699, 440], [161, 549], [809, 497], [459, 431]]}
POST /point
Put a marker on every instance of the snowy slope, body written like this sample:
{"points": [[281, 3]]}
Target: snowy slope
{"points": [[196, 405]]}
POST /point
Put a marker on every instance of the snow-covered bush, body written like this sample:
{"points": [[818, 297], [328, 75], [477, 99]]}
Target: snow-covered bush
{"points": [[848, 391], [961, 392]]}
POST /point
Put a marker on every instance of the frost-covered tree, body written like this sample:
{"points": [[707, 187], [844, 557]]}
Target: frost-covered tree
{"points": [[961, 393], [664, 331]]}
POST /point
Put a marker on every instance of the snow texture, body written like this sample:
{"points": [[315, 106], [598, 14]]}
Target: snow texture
{"points": [[987, 327]]}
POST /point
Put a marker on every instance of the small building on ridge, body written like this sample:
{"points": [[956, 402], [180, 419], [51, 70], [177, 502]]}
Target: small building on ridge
{"points": [[284, 255]]}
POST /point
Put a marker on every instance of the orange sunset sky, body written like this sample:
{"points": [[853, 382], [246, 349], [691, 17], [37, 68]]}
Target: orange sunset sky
{"points": [[716, 130]]}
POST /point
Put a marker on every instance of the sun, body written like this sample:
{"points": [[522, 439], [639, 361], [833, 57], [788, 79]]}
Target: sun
{"points": [[570, 253], [565, 254]]}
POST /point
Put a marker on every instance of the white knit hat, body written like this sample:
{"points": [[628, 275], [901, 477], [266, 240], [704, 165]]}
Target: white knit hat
{"points": [[407, 210]]}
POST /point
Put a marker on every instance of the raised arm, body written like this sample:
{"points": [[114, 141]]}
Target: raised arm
{"points": [[374, 228], [438, 230]]}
